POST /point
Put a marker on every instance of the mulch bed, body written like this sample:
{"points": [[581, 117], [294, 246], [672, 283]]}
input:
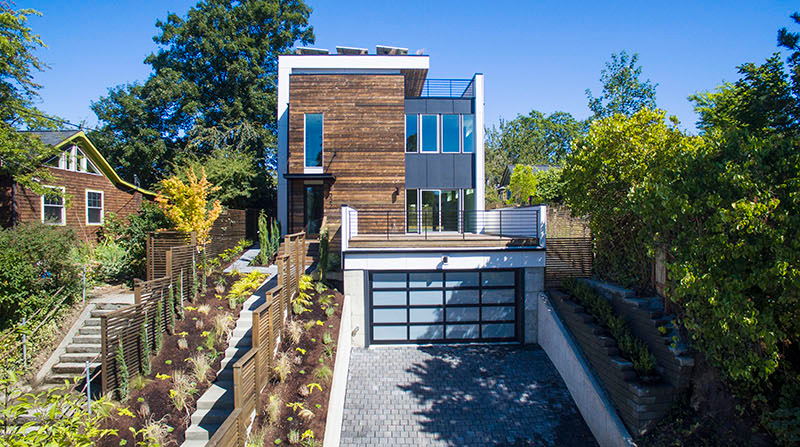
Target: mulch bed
{"points": [[153, 403], [302, 375]]}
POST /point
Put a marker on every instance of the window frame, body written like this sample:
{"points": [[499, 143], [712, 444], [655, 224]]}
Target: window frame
{"points": [[422, 133], [102, 206], [405, 128], [459, 139], [63, 221], [463, 137], [314, 169]]}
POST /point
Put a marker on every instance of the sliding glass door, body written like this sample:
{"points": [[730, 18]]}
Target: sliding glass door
{"points": [[433, 210], [430, 210]]}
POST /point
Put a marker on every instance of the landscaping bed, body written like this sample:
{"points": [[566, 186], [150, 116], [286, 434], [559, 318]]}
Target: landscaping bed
{"points": [[161, 403], [294, 410]]}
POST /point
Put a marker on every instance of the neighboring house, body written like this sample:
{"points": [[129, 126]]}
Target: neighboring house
{"points": [[393, 164], [91, 186], [503, 193]]}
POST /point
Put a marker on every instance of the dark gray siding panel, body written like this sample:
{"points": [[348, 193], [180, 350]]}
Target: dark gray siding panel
{"points": [[439, 105], [463, 106], [414, 106], [440, 171], [416, 171]]}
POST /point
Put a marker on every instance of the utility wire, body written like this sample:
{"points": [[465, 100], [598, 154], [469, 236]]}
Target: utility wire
{"points": [[57, 120]]}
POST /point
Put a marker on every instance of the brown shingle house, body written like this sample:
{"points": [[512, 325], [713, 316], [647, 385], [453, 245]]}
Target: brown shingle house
{"points": [[91, 186]]}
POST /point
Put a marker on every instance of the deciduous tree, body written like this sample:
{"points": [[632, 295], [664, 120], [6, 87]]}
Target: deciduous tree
{"points": [[623, 92]]}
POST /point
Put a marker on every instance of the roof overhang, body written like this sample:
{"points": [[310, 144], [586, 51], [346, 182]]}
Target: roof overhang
{"points": [[320, 176]]}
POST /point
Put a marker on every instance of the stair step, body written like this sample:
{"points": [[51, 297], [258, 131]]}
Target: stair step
{"points": [[58, 379], [204, 433], [91, 322], [219, 391], [72, 367], [211, 417], [86, 339], [79, 357], [84, 347], [89, 330]]}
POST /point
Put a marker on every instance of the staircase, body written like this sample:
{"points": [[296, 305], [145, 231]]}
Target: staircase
{"points": [[84, 344]]}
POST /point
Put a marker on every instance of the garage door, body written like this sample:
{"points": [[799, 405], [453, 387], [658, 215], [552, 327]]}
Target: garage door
{"points": [[452, 306]]}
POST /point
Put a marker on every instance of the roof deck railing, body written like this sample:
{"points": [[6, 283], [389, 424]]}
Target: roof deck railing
{"points": [[448, 88]]}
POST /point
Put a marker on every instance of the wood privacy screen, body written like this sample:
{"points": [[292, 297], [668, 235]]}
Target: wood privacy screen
{"points": [[181, 267], [125, 326], [567, 257], [252, 372], [227, 231]]}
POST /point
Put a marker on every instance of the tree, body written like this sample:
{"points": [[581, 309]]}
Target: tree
{"points": [[21, 155], [623, 92], [530, 139], [213, 90], [232, 171], [187, 206]]}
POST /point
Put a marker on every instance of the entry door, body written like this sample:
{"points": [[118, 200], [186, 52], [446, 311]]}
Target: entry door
{"points": [[313, 200], [444, 307]]}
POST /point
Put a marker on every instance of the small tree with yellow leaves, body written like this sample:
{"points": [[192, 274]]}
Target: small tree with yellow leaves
{"points": [[186, 204]]}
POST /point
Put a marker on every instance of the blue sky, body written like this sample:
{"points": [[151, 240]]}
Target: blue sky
{"points": [[535, 55]]}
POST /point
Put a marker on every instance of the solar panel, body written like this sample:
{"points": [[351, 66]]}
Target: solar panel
{"points": [[351, 50], [307, 50], [391, 51]]}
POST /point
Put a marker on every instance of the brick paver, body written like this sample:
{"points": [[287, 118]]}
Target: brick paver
{"points": [[458, 396]]}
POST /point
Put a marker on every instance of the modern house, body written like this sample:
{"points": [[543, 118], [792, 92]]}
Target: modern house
{"points": [[392, 162], [90, 185]]}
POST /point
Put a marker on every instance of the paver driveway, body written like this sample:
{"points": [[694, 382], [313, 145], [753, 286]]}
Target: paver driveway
{"points": [[458, 396]]}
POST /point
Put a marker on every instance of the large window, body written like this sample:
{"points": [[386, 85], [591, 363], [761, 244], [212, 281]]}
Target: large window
{"points": [[430, 133], [412, 215], [313, 140], [450, 137], [94, 207], [53, 207], [411, 133], [73, 159], [468, 126], [437, 210]]}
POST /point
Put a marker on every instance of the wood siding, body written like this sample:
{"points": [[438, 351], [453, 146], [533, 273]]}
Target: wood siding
{"points": [[363, 143], [115, 200]]}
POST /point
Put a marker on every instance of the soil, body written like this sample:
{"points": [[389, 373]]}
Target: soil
{"points": [[152, 402], [302, 376]]}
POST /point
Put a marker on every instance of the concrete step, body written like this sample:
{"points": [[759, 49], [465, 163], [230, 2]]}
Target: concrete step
{"points": [[114, 306], [220, 391], [190, 443], [92, 322], [204, 433], [79, 357], [89, 330], [58, 379], [72, 367], [214, 416], [83, 347], [86, 339]]}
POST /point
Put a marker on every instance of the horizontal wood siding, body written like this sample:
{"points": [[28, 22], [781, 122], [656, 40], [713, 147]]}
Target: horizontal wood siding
{"points": [[363, 125]]}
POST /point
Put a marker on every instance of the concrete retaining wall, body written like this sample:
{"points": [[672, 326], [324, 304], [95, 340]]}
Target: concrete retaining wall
{"points": [[594, 404]]}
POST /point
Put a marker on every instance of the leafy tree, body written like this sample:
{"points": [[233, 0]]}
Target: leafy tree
{"points": [[623, 92], [522, 185], [212, 91], [530, 139], [233, 171], [187, 206], [21, 155]]}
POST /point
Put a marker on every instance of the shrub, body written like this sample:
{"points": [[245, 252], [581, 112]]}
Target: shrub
{"points": [[274, 408], [200, 367], [222, 325], [35, 262], [110, 261], [283, 366], [131, 233], [295, 330], [323, 373], [243, 288], [544, 186]]}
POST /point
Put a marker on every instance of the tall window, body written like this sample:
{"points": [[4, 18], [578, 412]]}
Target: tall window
{"points": [[94, 207], [411, 133], [468, 125], [430, 133], [53, 207], [412, 216], [313, 140], [450, 137]]}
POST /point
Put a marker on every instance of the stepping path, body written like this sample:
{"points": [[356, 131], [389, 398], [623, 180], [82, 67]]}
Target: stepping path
{"points": [[498, 395]]}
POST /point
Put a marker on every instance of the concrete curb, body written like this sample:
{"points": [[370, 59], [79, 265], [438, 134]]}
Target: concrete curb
{"points": [[333, 423], [588, 393], [62, 347]]}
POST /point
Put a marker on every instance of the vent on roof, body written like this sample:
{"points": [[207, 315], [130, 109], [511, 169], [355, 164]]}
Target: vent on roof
{"points": [[350, 50], [391, 51], [306, 50]]}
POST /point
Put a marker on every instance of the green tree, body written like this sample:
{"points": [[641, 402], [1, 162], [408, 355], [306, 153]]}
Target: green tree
{"points": [[212, 91], [21, 155], [530, 139], [623, 92]]}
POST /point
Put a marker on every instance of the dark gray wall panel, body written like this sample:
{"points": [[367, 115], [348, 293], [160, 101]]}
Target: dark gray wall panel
{"points": [[414, 106], [440, 171], [463, 106], [439, 105]]}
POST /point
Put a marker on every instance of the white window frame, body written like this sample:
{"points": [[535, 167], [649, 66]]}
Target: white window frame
{"points": [[405, 132], [438, 133], [314, 169], [102, 206], [63, 207], [441, 133]]}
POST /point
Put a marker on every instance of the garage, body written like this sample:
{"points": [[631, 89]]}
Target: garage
{"points": [[453, 306]]}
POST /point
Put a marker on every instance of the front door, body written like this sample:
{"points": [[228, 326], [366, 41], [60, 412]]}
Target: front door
{"points": [[312, 217]]}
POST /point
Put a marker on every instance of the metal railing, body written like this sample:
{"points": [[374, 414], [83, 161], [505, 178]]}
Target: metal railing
{"points": [[514, 223], [448, 88]]}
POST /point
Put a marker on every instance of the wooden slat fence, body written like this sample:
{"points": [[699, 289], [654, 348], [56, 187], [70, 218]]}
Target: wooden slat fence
{"points": [[158, 244], [181, 263], [228, 230], [126, 324], [253, 371], [567, 257]]}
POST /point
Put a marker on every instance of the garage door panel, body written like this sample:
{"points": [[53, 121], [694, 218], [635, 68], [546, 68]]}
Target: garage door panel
{"points": [[461, 306]]}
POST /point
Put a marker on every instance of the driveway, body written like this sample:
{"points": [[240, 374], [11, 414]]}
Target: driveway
{"points": [[497, 395]]}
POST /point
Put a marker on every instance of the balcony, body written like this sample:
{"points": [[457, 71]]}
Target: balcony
{"points": [[501, 228], [448, 88]]}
